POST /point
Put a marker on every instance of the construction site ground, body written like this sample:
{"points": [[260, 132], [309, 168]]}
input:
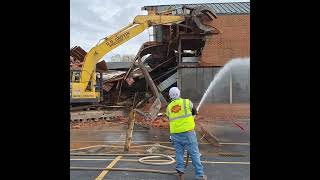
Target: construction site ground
{"points": [[230, 161]]}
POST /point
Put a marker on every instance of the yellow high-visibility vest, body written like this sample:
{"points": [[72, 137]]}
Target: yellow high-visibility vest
{"points": [[180, 116]]}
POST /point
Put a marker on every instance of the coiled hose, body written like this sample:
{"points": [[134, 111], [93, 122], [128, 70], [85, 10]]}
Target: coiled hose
{"points": [[141, 160]]}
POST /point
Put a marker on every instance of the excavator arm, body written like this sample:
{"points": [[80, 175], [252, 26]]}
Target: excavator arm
{"points": [[139, 24]]}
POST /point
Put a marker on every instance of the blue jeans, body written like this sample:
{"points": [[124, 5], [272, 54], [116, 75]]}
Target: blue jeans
{"points": [[188, 141]]}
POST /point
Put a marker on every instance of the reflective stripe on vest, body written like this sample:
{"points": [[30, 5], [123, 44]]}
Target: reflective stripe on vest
{"points": [[180, 117]]}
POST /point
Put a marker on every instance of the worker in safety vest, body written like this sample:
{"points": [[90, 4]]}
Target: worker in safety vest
{"points": [[180, 113]]}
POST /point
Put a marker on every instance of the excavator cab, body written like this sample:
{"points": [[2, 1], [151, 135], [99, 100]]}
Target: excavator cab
{"points": [[93, 92], [75, 76]]}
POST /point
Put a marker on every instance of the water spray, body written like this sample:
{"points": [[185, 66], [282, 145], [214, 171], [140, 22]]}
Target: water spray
{"points": [[227, 68]]}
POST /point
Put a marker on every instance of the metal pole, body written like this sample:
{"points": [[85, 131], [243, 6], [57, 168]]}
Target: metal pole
{"points": [[179, 52], [230, 81], [130, 126]]}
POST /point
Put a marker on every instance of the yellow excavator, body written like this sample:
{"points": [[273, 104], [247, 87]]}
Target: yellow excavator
{"points": [[84, 83]]}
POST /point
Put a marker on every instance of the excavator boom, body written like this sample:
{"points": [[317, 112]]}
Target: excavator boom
{"points": [[139, 24]]}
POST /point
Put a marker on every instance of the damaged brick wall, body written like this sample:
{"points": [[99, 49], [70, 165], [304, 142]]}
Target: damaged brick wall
{"points": [[233, 42]]}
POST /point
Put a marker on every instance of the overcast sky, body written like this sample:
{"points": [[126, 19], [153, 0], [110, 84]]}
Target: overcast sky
{"points": [[92, 20]]}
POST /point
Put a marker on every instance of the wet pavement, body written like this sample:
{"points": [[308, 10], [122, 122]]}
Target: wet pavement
{"points": [[231, 161]]}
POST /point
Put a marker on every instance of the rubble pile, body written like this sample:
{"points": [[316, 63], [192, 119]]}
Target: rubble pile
{"points": [[159, 122], [75, 64], [77, 55]]}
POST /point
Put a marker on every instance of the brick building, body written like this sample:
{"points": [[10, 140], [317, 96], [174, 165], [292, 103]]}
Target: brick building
{"points": [[233, 22], [194, 74], [232, 42]]}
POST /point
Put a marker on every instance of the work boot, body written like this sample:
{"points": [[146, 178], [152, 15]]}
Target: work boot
{"points": [[204, 177], [180, 175]]}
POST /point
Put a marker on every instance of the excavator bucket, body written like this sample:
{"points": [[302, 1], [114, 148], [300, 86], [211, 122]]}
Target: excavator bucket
{"points": [[199, 13]]}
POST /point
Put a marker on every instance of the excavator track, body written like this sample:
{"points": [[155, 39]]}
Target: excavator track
{"points": [[92, 107], [94, 114]]}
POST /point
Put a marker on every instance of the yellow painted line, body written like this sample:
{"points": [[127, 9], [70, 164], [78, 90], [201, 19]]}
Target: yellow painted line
{"points": [[104, 172], [88, 147], [106, 130], [134, 160]]}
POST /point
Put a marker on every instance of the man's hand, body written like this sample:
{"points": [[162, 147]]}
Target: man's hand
{"points": [[194, 111]]}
